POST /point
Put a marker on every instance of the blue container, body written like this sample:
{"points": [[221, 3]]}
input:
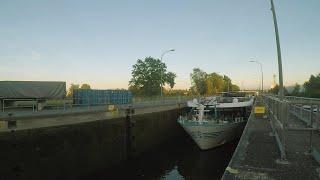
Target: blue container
{"points": [[101, 97]]}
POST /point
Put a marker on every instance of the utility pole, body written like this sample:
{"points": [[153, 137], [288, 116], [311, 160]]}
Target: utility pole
{"points": [[278, 50]]}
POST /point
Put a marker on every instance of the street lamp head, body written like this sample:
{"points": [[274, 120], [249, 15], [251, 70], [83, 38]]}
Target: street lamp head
{"points": [[261, 72], [162, 71]]}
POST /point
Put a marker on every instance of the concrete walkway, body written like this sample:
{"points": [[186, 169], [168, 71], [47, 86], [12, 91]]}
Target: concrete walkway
{"points": [[258, 157]]}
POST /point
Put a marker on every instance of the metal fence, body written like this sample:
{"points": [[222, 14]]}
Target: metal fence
{"points": [[305, 110], [303, 100], [279, 114], [37, 105]]}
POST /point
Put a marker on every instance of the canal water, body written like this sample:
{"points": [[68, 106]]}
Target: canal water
{"points": [[181, 159]]}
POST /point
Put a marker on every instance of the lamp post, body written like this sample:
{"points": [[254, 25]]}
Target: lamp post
{"points": [[161, 74], [261, 71], [278, 50]]}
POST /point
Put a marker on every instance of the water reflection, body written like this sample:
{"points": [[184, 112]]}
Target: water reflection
{"points": [[176, 160]]}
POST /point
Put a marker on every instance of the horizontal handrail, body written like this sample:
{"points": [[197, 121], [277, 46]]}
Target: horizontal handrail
{"points": [[304, 109], [69, 103]]}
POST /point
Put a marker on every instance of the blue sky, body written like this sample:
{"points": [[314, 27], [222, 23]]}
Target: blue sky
{"points": [[97, 42]]}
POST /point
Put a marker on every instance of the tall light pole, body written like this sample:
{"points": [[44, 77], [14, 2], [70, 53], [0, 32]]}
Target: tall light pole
{"points": [[161, 74], [278, 49], [261, 71]]}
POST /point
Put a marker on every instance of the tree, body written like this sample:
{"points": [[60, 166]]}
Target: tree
{"points": [[170, 76], [214, 84], [198, 80], [296, 90], [135, 90], [193, 91], [210, 84], [149, 75], [235, 87], [177, 92], [276, 88], [76, 86], [85, 86], [312, 87], [227, 83], [71, 88]]}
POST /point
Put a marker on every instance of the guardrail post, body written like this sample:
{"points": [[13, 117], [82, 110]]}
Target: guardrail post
{"points": [[311, 126], [88, 103], [33, 106], [2, 105], [274, 108], [310, 115], [301, 111], [318, 117], [286, 116]]}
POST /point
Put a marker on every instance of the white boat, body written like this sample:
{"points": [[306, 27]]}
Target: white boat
{"points": [[213, 123]]}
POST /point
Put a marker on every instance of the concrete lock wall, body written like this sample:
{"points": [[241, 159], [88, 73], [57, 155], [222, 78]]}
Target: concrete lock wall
{"points": [[70, 151]]}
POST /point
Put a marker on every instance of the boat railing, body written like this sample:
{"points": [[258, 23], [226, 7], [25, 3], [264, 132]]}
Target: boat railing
{"points": [[231, 99], [233, 119], [209, 117], [225, 120]]}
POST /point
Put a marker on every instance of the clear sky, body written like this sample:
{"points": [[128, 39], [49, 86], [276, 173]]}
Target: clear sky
{"points": [[97, 42]]}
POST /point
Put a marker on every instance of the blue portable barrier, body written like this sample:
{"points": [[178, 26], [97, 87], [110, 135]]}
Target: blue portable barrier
{"points": [[101, 97]]}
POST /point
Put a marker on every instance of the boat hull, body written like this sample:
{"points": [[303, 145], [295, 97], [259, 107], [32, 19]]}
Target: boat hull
{"points": [[208, 135]]}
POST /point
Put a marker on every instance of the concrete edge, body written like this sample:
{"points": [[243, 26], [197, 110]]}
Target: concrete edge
{"points": [[85, 111], [53, 114], [239, 152]]}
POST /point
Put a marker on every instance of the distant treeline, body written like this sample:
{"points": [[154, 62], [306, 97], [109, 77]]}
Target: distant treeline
{"points": [[77, 86], [210, 83], [150, 77], [310, 88]]}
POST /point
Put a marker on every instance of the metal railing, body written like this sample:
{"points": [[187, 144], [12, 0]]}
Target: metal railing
{"points": [[37, 105], [303, 100], [305, 110], [159, 101], [278, 113], [24, 103], [231, 99]]}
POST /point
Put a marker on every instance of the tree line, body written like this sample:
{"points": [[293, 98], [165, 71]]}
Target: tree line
{"points": [[76, 86], [204, 83], [310, 88], [150, 76]]}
